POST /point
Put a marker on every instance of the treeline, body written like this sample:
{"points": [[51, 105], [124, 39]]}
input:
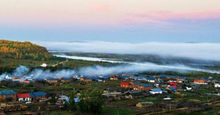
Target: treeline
{"points": [[23, 50]]}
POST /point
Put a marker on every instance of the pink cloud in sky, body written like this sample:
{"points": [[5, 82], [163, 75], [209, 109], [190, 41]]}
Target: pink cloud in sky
{"points": [[162, 18], [193, 15]]}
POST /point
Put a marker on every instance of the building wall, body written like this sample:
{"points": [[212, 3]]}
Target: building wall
{"points": [[3, 98]]}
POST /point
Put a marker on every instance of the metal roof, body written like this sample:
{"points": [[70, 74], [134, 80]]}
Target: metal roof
{"points": [[36, 94], [7, 92]]}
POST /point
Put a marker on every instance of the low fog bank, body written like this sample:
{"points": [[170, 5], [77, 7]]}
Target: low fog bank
{"points": [[87, 58], [201, 51]]}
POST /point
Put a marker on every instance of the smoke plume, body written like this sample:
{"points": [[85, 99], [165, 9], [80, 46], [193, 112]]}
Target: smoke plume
{"points": [[101, 70]]}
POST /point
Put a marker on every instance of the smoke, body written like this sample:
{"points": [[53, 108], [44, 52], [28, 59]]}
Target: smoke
{"points": [[140, 67], [23, 71], [204, 51], [42, 74], [2, 77], [126, 67], [20, 71]]}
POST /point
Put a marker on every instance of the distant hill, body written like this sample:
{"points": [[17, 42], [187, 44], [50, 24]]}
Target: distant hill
{"points": [[22, 50]]}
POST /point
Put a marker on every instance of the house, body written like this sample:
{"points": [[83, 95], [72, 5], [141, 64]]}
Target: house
{"points": [[143, 104], [186, 87], [180, 80], [125, 77], [85, 79], [7, 95], [104, 77], [200, 81], [112, 94], [52, 80], [114, 78], [7, 77], [16, 78], [65, 80], [156, 91], [172, 89], [216, 84], [75, 77], [43, 65], [25, 81], [167, 98], [125, 84], [173, 84], [62, 99], [135, 83], [38, 96], [144, 86], [76, 99], [134, 94], [141, 78], [151, 79], [24, 97]]}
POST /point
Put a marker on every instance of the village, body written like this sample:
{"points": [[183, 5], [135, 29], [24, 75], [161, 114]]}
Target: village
{"points": [[138, 92]]}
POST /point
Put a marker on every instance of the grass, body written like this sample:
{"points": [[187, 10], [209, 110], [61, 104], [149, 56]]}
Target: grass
{"points": [[116, 111]]}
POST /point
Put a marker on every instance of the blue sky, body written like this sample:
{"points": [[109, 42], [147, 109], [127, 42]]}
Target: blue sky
{"points": [[183, 31]]}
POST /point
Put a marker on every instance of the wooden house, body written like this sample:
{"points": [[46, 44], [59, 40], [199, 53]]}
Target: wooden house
{"points": [[144, 87], [200, 81], [65, 80], [7, 95], [38, 96], [52, 81]]}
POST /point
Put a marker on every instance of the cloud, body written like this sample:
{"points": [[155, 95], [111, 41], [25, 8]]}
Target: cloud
{"points": [[205, 51], [192, 15], [165, 19]]}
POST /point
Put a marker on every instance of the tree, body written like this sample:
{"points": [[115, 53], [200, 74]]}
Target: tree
{"points": [[91, 101], [72, 104]]}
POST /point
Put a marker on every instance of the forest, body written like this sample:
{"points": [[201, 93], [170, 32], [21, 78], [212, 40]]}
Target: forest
{"points": [[23, 50]]}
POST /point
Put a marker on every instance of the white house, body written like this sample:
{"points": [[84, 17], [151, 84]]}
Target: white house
{"points": [[217, 85], [156, 91], [43, 65], [24, 97], [188, 88]]}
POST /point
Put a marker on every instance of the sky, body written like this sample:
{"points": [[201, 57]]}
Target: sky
{"points": [[111, 20]]}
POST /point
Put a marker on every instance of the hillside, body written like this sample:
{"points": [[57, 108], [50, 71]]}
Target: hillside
{"points": [[22, 50], [14, 54]]}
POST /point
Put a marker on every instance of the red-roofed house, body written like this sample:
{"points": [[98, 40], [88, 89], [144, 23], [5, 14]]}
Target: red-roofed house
{"points": [[173, 83], [25, 81], [125, 84], [114, 78], [24, 97], [200, 81]]}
